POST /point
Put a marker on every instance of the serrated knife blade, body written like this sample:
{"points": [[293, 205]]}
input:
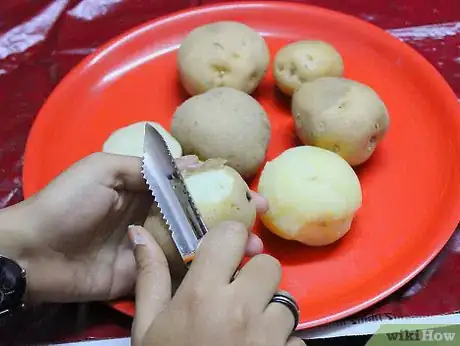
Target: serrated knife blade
{"points": [[168, 188]]}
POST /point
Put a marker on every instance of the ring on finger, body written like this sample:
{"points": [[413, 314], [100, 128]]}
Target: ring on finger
{"points": [[287, 300]]}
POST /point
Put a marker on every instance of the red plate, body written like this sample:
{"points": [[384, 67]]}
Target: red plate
{"points": [[411, 185]]}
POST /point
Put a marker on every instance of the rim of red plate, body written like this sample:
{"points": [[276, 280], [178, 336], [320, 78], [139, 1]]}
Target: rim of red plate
{"points": [[425, 67]]}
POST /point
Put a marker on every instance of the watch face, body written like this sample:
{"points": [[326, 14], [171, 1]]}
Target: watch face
{"points": [[12, 284]]}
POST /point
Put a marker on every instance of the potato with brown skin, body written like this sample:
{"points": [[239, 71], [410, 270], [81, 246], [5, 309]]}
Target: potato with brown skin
{"points": [[341, 115], [222, 54], [224, 123], [304, 61]]}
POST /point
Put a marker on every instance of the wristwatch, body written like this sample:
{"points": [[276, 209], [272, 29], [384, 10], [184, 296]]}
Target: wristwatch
{"points": [[12, 285]]}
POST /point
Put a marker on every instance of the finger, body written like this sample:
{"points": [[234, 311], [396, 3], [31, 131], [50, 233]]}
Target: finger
{"points": [[118, 171], [127, 170], [294, 341], [219, 255], [260, 202], [254, 245], [278, 319], [186, 161], [157, 227], [153, 286], [258, 281]]}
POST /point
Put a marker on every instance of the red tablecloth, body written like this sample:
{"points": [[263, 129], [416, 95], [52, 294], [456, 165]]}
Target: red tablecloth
{"points": [[41, 40]]}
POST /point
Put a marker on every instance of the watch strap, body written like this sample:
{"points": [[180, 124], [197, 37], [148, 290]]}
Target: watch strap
{"points": [[13, 284]]}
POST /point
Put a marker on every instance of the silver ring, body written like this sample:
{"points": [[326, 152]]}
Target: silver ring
{"points": [[288, 301]]}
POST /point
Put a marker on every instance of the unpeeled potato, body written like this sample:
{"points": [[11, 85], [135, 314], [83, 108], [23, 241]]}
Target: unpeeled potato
{"points": [[224, 123], [341, 115], [313, 195], [222, 54], [304, 61]]}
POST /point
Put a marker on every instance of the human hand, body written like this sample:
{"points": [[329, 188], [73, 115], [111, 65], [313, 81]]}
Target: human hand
{"points": [[209, 308], [72, 236]]}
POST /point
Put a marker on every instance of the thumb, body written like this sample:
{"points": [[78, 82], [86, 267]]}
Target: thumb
{"points": [[153, 285]]}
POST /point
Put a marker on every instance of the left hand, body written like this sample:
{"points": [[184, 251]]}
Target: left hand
{"points": [[213, 306], [72, 236]]}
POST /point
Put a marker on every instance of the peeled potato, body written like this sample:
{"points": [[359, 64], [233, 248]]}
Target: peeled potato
{"points": [[129, 140], [219, 193], [340, 115], [224, 123], [304, 61], [313, 195], [222, 54]]}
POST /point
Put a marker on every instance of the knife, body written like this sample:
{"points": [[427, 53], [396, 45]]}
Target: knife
{"points": [[170, 192]]}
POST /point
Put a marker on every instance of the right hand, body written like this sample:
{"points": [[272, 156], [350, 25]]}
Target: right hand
{"points": [[209, 308]]}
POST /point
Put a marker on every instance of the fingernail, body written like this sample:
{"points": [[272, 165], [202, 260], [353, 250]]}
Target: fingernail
{"points": [[135, 235], [194, 165], [191, 157], [255, 246]]}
